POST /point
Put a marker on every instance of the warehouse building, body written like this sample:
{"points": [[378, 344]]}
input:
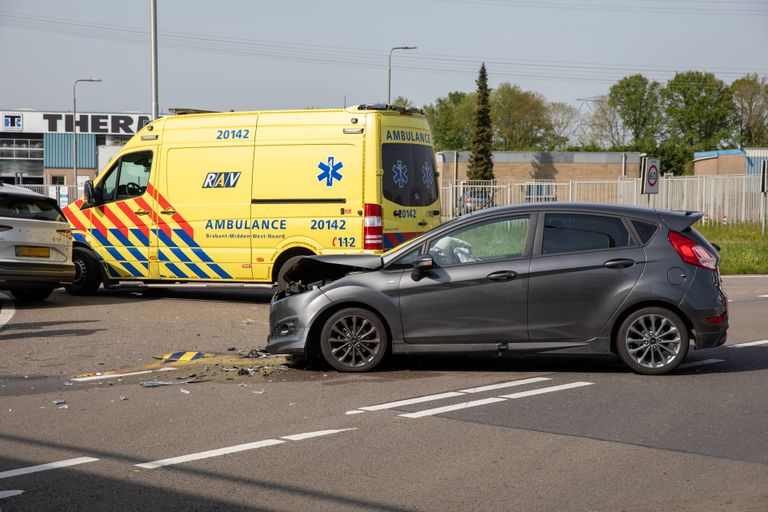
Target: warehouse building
{"points": [[36, 147], [729, 161]]}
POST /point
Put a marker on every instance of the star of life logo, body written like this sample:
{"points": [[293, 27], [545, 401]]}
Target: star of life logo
{"points": [[400, 174], [330, 171], [427, 174]]}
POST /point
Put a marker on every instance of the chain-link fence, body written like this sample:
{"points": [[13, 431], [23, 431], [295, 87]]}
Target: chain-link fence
{"points": [[721, 198]]}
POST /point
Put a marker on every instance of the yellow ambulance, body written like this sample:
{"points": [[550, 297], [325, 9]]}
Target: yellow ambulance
{"points": [[229, 197]]}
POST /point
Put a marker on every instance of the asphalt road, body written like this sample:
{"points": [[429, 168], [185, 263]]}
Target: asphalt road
{"points": [[449, 433]]}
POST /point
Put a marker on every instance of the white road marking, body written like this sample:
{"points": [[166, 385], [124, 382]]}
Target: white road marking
{"points": [[762, 296], [10, 494], [45, 467], [118, 375], [319, 433], [411, 401], [238, 448], [455, 407], [7, 309], [701, 363], [749, 344], [550, 389], [503, 385], [208, 454], [448, 394]]}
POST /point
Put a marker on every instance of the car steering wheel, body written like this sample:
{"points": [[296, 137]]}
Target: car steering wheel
{"points": [[133, 189]]}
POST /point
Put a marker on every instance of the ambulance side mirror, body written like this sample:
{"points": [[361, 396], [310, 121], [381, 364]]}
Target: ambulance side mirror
{"points": [[91, 194]]}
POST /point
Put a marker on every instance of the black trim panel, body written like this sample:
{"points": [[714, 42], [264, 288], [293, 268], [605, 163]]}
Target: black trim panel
{"points": [[339, 200]]}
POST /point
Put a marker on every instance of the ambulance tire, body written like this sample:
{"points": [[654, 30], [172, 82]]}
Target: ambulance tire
{"points": [[283, 259], [87, 275]]}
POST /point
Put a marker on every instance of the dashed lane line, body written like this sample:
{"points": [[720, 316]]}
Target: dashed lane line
{"points": [[700, 363], [749, 344], [493, 400], [46, 467], [10, 494], [6, 304], [448, 394], [237, 448]]}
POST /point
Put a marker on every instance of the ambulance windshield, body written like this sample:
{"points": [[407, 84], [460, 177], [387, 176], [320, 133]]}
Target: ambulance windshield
{"points": [[409, 174]]}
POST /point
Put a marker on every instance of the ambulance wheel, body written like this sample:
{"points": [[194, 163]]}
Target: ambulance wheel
{"points": [[87, 275]]}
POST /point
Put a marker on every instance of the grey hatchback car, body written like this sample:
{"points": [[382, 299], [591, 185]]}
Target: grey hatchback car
{"points": [[559, 278]]}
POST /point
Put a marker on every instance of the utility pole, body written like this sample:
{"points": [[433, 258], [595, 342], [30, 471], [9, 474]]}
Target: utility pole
{"points": [[153, 44], [74, 126]]}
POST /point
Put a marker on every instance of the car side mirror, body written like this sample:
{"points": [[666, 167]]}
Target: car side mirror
{"points": [[422, 265], [89, 194]]}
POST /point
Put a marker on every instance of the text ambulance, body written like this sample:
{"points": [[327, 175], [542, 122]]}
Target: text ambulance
{"points": [[231, 196]]}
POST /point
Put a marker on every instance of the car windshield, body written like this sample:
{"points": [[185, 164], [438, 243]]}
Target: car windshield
{"points": [[26, 207], [409, 174]]}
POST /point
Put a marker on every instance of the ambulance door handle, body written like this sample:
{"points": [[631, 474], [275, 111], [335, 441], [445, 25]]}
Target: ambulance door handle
{"points": [[168, 212], [423, 223], [141, 212]]}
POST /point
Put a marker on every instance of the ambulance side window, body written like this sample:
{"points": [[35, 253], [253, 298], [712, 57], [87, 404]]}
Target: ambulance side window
{"points": [[128, 178]]}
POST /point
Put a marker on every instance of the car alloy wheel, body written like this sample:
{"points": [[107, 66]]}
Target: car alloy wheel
{"points": [[353, 340], [653, 341]]}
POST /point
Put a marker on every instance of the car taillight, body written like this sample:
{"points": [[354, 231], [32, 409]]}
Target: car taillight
{"points": [[691, 252], [372, 231]]}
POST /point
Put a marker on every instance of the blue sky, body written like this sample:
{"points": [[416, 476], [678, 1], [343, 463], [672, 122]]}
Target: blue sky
{"points": [[251, 55]]}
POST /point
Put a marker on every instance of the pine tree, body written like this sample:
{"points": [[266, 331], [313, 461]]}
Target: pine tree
{"points": [[481, 159]]}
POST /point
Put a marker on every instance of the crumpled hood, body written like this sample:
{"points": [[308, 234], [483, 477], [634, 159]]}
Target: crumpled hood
{"points": [[309, 269]]}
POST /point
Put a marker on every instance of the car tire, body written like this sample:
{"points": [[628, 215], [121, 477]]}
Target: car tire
{"points": [[652, 341], [32, 295], [87, 275], [353, 340]]}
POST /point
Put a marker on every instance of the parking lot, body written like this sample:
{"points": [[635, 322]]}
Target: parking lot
{"points": [[423, 433]]}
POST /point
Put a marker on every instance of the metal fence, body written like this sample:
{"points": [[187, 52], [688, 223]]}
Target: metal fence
{"points": [[64, 194], [727, 199]]}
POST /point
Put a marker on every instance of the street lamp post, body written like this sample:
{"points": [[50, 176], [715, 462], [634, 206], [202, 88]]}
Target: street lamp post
{"points": [[74, 124], [389, 69]]}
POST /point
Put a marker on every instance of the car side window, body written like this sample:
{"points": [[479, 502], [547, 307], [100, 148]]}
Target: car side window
{"points": [[645, 230], [492, 240], [128, 178], [575, 232], [405, 262]]}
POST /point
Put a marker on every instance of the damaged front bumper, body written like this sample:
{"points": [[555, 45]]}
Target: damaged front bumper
{"points": [[290, 319]]}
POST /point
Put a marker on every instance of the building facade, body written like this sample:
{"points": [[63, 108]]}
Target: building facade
{"points": [[729, 161], [36, 148], [523, 166]]}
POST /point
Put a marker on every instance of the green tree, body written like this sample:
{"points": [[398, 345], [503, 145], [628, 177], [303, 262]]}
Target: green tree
{"points": [[481, 159], [699, 111], [638, 103], [520, 119], [450, 119], [750, 100], [402, 101]]}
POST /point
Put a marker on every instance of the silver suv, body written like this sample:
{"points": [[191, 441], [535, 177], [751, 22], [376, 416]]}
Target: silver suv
{"points": [[35, 244]]}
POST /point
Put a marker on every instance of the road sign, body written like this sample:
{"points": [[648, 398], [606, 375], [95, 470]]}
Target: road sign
{"points": [[651, 175]]}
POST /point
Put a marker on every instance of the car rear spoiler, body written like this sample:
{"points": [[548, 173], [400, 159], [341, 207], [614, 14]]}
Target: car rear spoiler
{"points": [[680, 221]]}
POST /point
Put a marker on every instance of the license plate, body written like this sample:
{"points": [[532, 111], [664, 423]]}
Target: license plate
{"points": [[33, 252]]}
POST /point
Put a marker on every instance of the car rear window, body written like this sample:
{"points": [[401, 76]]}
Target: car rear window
{"points": [[571, 232], [26, 207], [645, 230], [409, 174]]}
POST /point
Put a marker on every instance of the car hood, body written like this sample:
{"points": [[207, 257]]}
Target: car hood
{"points": [[310, 269]]}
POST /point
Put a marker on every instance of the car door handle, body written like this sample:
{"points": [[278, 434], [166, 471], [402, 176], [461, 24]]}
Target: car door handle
{"points": [[168, 212], [502, 275], [141, 212], [619, 263]]}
